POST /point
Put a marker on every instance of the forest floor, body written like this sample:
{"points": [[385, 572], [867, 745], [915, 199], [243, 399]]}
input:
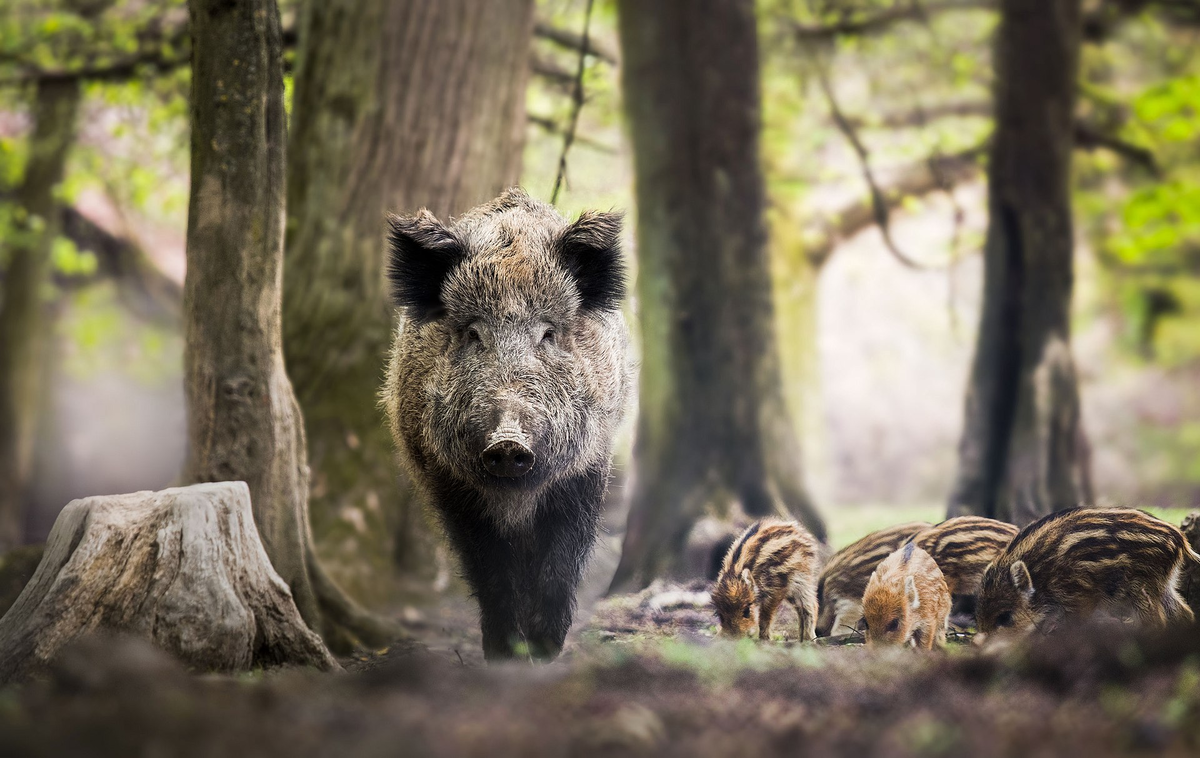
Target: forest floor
{"points": [[644, 676]]}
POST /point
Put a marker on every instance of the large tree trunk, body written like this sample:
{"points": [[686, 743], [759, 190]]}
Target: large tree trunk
{"points": [[183, 567], [399, 104], [243, 420], [714, 427], [24, 328], [1020, 456]]}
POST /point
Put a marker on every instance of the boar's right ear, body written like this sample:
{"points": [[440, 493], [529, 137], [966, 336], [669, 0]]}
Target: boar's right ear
{"points": [[421, 253], [590, 249], [1021, 578]]}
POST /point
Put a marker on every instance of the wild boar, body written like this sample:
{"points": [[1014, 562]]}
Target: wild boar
{"points": [[844, 578], [1074, 562], [963, 547], [508, 378], [906, 601], [772, 561]]}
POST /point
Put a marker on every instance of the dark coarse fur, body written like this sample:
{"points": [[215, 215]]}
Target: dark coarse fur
{"points": [[1071, 563], [963, 547], [511, 331]]}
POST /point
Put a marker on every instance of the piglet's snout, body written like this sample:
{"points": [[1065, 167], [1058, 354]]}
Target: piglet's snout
{"points": [[507, 453]]}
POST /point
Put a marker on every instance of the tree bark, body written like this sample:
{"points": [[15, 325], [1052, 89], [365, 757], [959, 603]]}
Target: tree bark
{"points": [[183, 567], [24, 328], [714, 427], [398, 105], [243, 419], [1021, 452]]}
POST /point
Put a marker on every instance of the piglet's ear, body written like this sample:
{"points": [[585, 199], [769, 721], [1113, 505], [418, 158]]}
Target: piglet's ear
{"points": [[910, 593], [590, 250], [1020, 578], [421, 253]]}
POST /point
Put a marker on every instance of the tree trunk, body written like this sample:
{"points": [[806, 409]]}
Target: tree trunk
{"points": [[183, 567], [398, 105], [714, 427], [1020, 455], [243, 420], [24, 328]]}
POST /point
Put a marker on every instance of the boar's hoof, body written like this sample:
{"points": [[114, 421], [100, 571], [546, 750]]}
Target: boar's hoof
{"points": [[508, 459]]}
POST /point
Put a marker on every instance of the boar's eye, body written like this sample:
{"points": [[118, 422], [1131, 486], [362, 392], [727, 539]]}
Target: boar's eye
{"points": [[472, 334], [893, 625], [1004, 619], [548, 336], [746, 612]]}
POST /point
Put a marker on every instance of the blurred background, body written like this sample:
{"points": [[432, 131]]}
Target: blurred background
{"points": [[877, 117]]}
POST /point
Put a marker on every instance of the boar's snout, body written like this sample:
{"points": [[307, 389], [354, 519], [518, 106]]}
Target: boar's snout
{"points": [[508, 459]]}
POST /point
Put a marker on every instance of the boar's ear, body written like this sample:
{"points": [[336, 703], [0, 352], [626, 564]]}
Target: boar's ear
{"points": [[421, 253], [1020, 578], [590, 249], [910, 592]]}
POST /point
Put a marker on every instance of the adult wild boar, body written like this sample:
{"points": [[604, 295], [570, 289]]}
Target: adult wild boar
{"points": [[508, 378]]}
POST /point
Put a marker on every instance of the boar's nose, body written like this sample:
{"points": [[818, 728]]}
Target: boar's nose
{"points": [[508, 459]]}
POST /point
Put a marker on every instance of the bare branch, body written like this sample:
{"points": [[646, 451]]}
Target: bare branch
{"points": [[879, 204], [552, 73], [938, 173], [577, 106], [883, 21], [922, 116], [572, 41], [1087, 137], [551, 126]]}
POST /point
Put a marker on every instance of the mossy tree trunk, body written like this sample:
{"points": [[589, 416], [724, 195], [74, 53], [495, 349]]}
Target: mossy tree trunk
{"points": [[714, 426], [24, 327], [243, 419], [399, 105], [1021, 454]]}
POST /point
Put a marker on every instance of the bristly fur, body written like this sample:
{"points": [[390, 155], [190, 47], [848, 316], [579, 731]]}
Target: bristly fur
{"points": [[1072, 563], [590, 249], [421, 254], [963, 547], [845, 576], [503, 334], [906, 601], [772, 561]]}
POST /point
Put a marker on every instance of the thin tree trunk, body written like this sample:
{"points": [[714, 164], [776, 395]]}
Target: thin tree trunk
{"points": [[714, 427], [399, 104], [1021, 455], [24, 328], [243, 419]]}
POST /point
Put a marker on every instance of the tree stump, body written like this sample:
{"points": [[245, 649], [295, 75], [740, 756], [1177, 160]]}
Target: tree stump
{"points": [[183, 567], [1190, 584]]}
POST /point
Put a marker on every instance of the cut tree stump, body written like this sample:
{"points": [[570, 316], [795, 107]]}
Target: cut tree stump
{"points": [[183, 567]]}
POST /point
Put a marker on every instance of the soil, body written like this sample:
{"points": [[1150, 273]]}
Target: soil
{"points": [[645, 676]]}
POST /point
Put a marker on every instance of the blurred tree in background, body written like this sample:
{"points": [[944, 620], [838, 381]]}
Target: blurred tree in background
{"points": [[397, 106], [874, 112], [714, 427]]}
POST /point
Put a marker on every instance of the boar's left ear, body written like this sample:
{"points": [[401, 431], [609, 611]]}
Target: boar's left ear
{"points": [[1021, 578], [590, 249], [421, 253]]}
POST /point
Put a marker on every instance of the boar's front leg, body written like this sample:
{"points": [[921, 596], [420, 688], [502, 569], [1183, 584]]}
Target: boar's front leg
{"points": [[488, 563], [564, 534]]}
